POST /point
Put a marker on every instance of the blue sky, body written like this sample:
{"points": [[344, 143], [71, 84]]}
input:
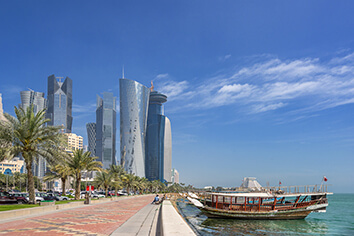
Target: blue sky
{"points": [[256, 88]]}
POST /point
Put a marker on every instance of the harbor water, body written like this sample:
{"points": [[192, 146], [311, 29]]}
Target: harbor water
{"points": [[338, 220]]}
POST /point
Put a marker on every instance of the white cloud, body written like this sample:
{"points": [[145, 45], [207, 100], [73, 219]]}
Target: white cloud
{"points": [[263, 108], [224, 58], [172, 88], [161, 76], [301, 85]]}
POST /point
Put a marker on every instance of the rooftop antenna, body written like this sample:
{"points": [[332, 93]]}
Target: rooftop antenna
{"points": [[123, 72]]}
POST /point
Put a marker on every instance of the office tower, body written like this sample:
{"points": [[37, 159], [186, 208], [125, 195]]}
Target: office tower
{"points": [[60, 102], [2, 117], [134, 100], [37, 100], [158, 147], [106, 129], [175, 176], [91, 137]]}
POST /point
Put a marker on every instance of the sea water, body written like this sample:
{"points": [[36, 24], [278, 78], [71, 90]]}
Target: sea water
{"points": [[338, 220]]}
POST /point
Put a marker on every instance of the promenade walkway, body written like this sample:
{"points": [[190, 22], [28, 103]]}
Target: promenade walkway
{"points": [[100, 219]]}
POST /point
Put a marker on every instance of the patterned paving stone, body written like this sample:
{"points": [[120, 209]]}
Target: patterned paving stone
{"points": [[101, 219]]}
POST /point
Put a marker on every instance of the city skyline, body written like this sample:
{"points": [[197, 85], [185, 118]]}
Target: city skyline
{"points": [[256, 89]]}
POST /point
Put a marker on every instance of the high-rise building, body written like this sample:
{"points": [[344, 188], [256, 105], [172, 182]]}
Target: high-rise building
{"points": [[106, 129], [91, 138], [2, 117], [175, 176], [158, 147], [60, 102], [134, 100], [37, 100]]}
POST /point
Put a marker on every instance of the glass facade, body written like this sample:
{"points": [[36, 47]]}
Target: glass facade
{"points": [[60, 103], [106, 129], [134, 100], [158, 147], [91, 136]]}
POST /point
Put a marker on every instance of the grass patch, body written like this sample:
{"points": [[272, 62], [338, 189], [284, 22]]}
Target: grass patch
{"points": [[16, 206]]}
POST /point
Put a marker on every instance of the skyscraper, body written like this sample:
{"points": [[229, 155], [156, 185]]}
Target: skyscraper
{"points": [[60, 102], [158, 148], [106, 129], [91, 137], [36, 99], [39, 103], [134, 100]]}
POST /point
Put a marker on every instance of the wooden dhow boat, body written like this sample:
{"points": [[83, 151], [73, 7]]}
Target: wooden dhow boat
{"points": [[266, 204]]}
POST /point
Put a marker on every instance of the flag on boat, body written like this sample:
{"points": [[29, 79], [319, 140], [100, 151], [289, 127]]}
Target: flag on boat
{"points": [[325, 179]]}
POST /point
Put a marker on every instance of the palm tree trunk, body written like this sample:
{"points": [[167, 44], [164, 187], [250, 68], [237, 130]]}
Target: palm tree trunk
{"points": [[32, 198], [78, 186], [106, 189], [63, 190]]}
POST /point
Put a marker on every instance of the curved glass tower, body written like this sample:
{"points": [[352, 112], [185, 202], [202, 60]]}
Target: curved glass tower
{"points": [[134, 100]]}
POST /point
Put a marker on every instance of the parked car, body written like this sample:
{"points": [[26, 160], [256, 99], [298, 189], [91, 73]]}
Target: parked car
{"points": [[6, 198], [60, 198], [104, 193], [97, 195], [122, 193], [20, 197], [38, 197], [49, 197]]}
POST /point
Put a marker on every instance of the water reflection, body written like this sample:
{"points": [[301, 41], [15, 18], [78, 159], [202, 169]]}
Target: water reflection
{"points": [[209, 226]]}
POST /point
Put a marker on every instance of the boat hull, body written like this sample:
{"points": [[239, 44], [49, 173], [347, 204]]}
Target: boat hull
{"points": [[242, 215]]}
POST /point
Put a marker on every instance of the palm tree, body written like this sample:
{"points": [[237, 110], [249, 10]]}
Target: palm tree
{"points": [[129, 182], [142, 185], [155, 186], [104, 178], [60, 171], [82, 161], [28, 135], [117, 172]]}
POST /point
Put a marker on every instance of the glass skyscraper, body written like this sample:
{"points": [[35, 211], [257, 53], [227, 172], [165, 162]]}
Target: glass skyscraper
{"points": [[33, 98], [91, 137], [106, 129], [39, 103], [134, 100], [158, 148], [60, 102]]}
